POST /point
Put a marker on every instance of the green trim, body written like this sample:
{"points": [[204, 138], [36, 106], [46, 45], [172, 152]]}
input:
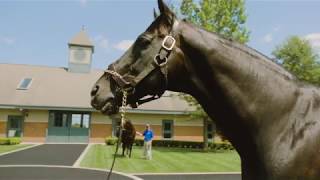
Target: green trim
{"points": [[60, 108], [142, 111]]}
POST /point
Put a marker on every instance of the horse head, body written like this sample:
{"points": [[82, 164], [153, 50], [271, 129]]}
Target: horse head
{"points": [[144, 69]]}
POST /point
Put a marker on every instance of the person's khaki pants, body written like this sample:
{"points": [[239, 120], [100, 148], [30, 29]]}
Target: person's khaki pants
{"points": [[147, 150]]}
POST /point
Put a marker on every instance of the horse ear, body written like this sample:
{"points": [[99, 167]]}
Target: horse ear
{"points": [[166, 13], [164, 9], [155, 14]]}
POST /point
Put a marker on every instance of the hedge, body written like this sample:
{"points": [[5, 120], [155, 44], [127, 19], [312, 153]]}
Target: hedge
{"points": [[111, 140], [220, 146], [10, 141], [177, 144]]}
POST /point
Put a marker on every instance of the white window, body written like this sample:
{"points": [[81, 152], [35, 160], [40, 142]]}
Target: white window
{"points": [[25, 84], [80, 120], [167, 129]]}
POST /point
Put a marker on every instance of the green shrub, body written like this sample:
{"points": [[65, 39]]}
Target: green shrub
{"points": [[15, 140], [111, 140], [10, 141], [220, 146], [171, 143], [4, 141], [138, 142]]}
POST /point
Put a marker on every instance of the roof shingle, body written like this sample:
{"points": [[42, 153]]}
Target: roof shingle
{"points": [[56, 87]]}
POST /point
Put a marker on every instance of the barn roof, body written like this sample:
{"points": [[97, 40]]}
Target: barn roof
{"points": [[81, 39], [56, 88]]}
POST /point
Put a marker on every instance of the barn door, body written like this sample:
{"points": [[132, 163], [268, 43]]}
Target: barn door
{"points": [[15, 126]]}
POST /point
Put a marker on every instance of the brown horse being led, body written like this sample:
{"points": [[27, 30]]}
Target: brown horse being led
{"points": [[127, 137], [269, 117]]}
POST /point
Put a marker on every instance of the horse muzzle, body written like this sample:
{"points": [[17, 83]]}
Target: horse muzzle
{"points": [[105, 103]]}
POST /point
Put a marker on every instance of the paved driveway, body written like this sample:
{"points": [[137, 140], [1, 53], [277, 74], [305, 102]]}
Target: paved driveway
{"points": [[46, 154], [192, 177], [57, 173], [51, 162]]}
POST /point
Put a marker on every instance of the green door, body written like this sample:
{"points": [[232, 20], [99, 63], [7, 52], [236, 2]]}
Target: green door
{"points": [[68, 127], [15, 126], [58, 129], [79, 129]]}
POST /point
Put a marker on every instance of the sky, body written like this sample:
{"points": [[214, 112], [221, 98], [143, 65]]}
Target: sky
{"points": [[37, 32]]}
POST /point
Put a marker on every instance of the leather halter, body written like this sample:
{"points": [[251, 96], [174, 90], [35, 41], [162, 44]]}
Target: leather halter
{"points": [[159, 61]]}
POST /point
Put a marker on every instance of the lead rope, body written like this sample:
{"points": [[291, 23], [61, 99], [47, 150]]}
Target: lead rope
{"points": [[123, 113]]}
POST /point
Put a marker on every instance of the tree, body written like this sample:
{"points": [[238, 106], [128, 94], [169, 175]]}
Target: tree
{"points": [[226, 18], [297, 56]]}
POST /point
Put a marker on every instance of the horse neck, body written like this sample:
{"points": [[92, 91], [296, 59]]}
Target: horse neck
{"points": [[240, 89]]}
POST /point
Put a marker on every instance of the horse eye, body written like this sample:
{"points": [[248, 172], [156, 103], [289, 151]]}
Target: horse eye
{"points": [[144, 41]]}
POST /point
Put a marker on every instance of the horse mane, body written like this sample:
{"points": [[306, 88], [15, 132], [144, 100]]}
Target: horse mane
{"points": [[257, 55], [251, 52]]}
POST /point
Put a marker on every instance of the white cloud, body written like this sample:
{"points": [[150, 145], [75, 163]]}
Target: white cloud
{"points": [[268, 38], [314, 39], [7, 40], [276, 29], [101, 41], [83, 3], [124, 45]]}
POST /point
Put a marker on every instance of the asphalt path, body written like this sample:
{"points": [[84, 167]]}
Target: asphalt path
{"points": [[46, 154], [191, 177], [51, 162], [57, 173]]}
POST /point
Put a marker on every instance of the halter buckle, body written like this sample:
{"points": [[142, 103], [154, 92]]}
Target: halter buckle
{"points": [[170, 38], [160, 62]]}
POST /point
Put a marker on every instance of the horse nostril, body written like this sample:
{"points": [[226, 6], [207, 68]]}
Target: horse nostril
{"points": [[94, 90]]}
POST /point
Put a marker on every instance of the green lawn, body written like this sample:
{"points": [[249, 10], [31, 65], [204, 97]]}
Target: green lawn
{"points": [[164, 160], [7, 148]]}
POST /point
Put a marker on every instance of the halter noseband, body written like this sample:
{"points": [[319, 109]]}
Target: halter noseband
{"points": [[160, 61]]}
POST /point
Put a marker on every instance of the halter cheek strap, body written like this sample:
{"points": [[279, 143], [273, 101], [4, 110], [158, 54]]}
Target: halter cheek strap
{"points": [[167, 45], [160, 60]]}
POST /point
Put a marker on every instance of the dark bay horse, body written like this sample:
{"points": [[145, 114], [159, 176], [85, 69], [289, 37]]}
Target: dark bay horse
{"points": [[128, 136], [270, 118]]}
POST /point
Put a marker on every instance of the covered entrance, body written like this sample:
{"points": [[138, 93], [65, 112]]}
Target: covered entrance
{"points": [[15, 126], [68, 127]]}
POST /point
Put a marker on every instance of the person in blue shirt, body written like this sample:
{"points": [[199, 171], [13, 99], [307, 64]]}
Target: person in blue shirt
{"points": [[148, 136]]}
